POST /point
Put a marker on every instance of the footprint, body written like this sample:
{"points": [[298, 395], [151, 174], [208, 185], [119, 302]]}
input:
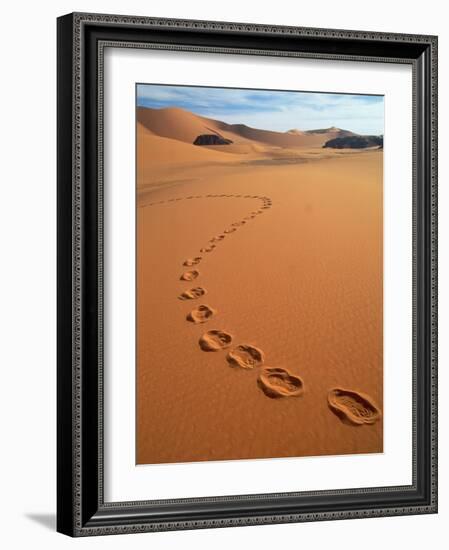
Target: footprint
{"points": [[192, 261], [217, 238], [215, 340], [189, 275], [208, 248], [193, 293], [276, 382], [245, 356], [230, 230], [357, 408], [201, 314]]}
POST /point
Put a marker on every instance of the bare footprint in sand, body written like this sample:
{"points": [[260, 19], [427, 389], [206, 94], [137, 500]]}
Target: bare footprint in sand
{"points": [[245, 356], [189, 275], [217, 238], [193, 293], [215, 340], [230, 230], [276, 382], [192, 261], [201, 314], [208, 248], [358, 408]]}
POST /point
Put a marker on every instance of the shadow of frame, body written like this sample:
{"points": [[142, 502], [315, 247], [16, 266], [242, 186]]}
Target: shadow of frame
{"points": [[46, 520]]}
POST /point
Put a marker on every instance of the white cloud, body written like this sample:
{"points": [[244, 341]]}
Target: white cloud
{"points": [[275, 110]]}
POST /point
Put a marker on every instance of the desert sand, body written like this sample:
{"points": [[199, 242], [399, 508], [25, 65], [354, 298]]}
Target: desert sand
{"points": [[259, 293]]}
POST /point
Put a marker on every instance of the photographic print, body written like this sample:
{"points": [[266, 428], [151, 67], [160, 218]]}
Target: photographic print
{"points": [[247, 289], [259, 273]]}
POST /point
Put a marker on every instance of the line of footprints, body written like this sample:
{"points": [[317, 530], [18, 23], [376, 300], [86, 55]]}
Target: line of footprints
{"points": [[276, 382]]}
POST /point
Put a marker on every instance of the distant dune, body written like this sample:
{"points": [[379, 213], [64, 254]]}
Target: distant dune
{"points": [[182, 125], [338, 132], [295, 131], [175, 141]]}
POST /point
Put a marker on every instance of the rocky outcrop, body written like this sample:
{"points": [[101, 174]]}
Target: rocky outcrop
{"points": [[355, 142], [211, 139]]}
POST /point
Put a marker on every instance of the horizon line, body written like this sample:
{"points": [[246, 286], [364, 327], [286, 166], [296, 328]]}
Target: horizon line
{"points": [[309, 131]]}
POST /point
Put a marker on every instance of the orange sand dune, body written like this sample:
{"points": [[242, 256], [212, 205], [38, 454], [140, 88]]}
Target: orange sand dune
{"points": [[259, 284], [152, 149], [176, 123], [168, 160], [163, 159]]}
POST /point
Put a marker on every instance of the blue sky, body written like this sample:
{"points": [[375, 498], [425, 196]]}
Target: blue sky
{"points": [[271, 110]]}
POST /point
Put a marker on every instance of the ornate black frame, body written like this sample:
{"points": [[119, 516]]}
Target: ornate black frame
{"points": [[81, 509]]}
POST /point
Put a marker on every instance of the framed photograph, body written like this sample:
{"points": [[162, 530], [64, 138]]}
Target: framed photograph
{"points": [[247, 278]]}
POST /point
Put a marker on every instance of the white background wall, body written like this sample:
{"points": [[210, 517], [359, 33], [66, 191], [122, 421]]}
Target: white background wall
{"points": [[27, 272]]}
